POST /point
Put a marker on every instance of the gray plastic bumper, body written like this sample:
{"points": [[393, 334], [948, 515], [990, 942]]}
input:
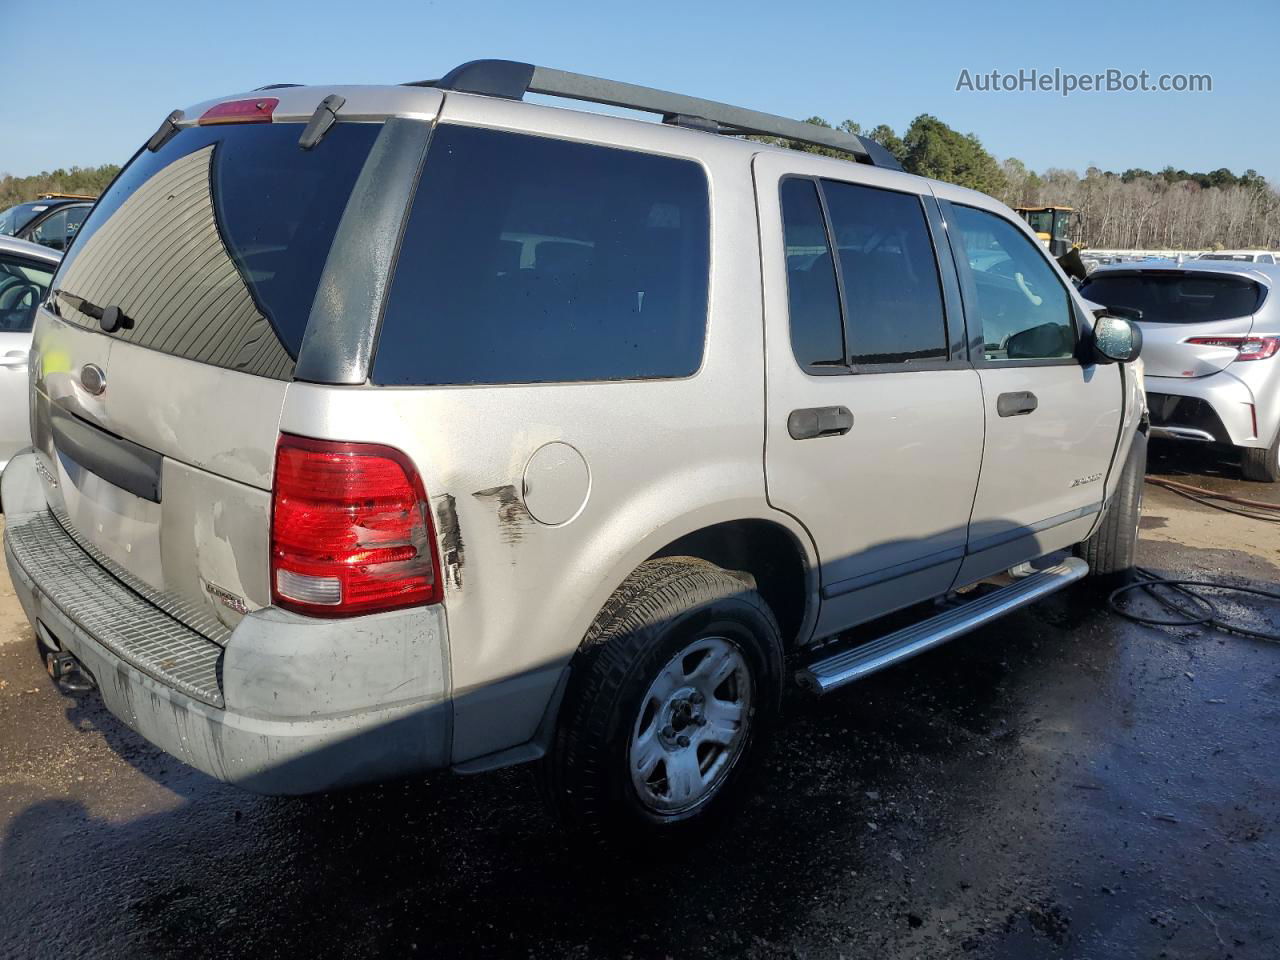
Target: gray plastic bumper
{"points": [[290, 705]]}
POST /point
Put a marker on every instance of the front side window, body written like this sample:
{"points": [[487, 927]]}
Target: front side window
{"points": [[54, 231], [528, 259], [1022, 307], [23, 284], [893, 297]]}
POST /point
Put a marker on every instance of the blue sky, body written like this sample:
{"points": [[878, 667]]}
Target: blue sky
{"points": [[92, 90]]}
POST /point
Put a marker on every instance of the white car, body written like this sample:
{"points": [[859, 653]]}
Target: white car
{"points": [[1241, 256], [25, 272]]}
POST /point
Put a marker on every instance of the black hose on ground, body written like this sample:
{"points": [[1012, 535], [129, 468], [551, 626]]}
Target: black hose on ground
{"points": [[1207, 614], [1204, 612]]}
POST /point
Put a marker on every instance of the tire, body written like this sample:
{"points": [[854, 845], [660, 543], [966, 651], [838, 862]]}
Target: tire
{"points": [[1112, 549], [667, 634], [1261, 466]]}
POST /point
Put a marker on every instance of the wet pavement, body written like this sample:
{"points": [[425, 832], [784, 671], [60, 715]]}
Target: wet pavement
{"points": [[1061, 784]]}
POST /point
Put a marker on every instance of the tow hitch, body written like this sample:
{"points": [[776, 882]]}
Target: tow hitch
{"points": [[67, 672]]}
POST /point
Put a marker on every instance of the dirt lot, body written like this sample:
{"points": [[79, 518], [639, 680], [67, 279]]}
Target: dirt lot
{"points": [[1062, 784]]}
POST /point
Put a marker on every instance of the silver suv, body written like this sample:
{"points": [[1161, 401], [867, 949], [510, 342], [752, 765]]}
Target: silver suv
{"points": [[382, 429], [1212, 331]]}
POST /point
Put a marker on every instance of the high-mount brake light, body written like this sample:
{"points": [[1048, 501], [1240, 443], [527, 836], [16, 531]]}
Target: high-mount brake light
{"points": [[257, 110], [1247, 348], [350, 530]]}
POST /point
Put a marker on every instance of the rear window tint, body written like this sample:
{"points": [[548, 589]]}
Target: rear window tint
{"points": [[214, 244], [528, 259], [893, 297], [1176, 297]]}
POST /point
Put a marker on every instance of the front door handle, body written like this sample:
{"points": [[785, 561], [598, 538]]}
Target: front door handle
{"points": [[1017, 404], [14, 358], [813, 422]]}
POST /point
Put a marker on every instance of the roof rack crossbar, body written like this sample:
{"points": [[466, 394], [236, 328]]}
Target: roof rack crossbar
{"points": [[511, 80]]}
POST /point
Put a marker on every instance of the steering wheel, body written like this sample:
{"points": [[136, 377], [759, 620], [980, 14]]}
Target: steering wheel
{"points": [[18, 301]]}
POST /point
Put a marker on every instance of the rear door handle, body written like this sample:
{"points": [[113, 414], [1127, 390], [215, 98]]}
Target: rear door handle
{"points": [[1017, 404], [14, 358], [812, 422]]}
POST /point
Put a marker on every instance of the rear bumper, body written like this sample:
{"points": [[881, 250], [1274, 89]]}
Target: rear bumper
{"points": [[290, 705], [1218, 408]]}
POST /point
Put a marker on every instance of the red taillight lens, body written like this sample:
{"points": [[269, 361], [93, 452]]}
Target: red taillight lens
{"points": [[1247, 348], [350, 530], [240, 111]]}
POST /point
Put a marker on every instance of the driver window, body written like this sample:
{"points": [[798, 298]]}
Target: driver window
{"points": [[1023, 307], [53, 232], [22, 286]]}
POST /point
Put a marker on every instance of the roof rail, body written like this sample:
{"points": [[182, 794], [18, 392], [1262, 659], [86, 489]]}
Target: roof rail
{"points": [[512, 80]]}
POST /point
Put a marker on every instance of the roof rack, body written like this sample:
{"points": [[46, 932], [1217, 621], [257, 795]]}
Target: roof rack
{"points": [[511, 80]]}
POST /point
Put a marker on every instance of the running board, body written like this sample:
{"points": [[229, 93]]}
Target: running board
{"points": [[835, 671]]}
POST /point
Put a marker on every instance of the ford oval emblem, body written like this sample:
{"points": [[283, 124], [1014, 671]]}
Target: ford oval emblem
{"points": [[93, 379]]}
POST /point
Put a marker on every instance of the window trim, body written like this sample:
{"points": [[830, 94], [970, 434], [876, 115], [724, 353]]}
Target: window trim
{"points": [[969, 294], [952, 305]]}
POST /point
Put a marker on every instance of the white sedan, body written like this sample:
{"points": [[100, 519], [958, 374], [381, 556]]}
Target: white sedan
{"points": [[26, 269]]}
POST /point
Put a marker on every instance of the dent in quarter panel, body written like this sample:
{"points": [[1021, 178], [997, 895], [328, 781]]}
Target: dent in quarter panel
{"points": [[511, 512]]}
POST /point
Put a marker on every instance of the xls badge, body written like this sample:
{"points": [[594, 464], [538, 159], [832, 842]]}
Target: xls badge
{"points": [[226, 597], [1092, 478]]}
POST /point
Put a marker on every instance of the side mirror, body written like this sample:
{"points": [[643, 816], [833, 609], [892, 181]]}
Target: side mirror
{"points": [[1116, 340]]}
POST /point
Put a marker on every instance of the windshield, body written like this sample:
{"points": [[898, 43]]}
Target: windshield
{"points": [[213, 245], [17, 217], [1176, 297]]}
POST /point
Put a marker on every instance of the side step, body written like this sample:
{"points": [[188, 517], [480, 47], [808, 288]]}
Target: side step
{"points": [[833, 672]]}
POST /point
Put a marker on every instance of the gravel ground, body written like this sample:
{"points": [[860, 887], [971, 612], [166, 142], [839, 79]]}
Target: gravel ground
{"points": [[1061, 784]]}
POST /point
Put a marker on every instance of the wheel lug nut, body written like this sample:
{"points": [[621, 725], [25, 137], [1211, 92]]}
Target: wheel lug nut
{"points": [[682, 740], [697, 698], [668, 732]]}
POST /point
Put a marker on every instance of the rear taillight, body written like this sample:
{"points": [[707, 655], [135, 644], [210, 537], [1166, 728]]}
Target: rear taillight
{"points": [[1247, 348], [257, 110], [350, 530]]}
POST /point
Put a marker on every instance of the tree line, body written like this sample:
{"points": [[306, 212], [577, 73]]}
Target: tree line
{"points": [[90, 181], [1137, 209]]}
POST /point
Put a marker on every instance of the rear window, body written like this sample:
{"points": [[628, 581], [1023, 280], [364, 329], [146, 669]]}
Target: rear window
{"points": [[528, 259], [1176, 297], [214, 244]]}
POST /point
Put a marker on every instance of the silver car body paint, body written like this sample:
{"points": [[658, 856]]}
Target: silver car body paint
{"points": [[661, 459]]}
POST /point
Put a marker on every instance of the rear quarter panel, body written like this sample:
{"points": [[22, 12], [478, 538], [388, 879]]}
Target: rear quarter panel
{"points": [[665, 457]]}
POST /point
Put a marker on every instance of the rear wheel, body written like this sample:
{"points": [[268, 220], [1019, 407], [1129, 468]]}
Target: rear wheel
{"points": [[1262, 466], [679, 680], [1112, 549]]}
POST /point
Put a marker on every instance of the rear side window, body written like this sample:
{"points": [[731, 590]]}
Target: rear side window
{"points": [[528, 259], [1176, 297], [893, 297], [213, 245], [817, 336]]}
